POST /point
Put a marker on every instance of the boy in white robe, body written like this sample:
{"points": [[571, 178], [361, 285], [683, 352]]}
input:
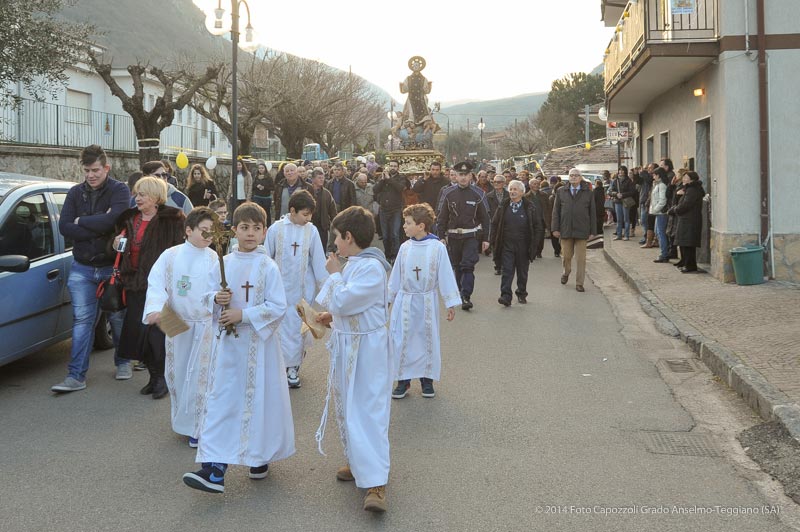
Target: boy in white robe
{"points": [[421, 270], [295, 246], [180, 277], [248, 417], [361, 366]]}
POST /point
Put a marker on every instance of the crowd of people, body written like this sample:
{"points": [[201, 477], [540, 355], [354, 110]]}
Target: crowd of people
{"points": [[667, 205], [227, 354]]}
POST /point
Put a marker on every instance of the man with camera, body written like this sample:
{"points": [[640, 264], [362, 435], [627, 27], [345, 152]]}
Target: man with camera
{"points": [[389, 193]]}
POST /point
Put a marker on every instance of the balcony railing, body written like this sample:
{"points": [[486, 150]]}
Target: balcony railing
{"points": [[654, 22], [46, 124]]}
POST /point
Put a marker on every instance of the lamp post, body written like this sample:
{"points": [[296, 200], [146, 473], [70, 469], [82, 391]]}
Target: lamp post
{"points": [[218, 28], [481, 126]]}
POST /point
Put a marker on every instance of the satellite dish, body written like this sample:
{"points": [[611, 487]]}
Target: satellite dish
{"points": [[602, 114]]}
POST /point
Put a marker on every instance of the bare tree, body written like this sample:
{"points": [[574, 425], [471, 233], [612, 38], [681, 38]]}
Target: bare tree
{"points": [[259, 94], [176, 95], [524, 137]]}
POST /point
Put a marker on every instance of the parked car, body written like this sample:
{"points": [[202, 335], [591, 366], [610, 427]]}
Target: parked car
{"points": [[35, 261]]}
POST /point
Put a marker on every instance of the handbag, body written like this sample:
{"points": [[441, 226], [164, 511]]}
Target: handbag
{"points": [[110, 291], [628, 202]]}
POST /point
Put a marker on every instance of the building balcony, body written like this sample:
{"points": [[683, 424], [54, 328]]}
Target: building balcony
{"points": [[654, 44]]}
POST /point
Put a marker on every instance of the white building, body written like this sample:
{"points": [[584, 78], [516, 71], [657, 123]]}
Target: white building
{"points": [[689, 76]]}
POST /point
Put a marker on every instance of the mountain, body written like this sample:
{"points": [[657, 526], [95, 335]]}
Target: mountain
{"points": [[496, 114]]}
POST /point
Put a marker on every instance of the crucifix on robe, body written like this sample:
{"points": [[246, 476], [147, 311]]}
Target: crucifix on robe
{"points": [[417, 270], [247, 286], [295, 246], [220, 236]]}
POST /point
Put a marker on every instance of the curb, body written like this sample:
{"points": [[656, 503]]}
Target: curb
{"points": [[769, 402]]}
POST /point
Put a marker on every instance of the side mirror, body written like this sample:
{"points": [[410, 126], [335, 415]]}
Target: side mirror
{"points": [[14, 263]]}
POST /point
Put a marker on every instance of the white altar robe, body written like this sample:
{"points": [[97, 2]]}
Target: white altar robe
{"points": [[361, 374], [181, 277], [248, 417], [421, 273], [303, 271]]}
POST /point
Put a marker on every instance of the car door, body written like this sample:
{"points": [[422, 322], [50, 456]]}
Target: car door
{"points": [[29, 301], [64, 322]]}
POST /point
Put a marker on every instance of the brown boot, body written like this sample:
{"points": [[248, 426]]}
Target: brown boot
{"points": [[649, 242], [344, 474], [375, 501]]}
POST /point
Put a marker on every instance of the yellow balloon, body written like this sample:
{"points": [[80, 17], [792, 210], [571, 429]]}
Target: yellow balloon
{"points": [[181, 161]]}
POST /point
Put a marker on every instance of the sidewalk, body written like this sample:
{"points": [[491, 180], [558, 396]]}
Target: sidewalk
{"points": [[749, 336]]}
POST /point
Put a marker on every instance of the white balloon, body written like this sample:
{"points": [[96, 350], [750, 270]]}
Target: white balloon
{"points": [[211, 162], [269, 166]]}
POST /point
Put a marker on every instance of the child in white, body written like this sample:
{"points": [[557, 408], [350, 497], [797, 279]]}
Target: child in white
{"points": [[248, 417], [420, 274], [180, 277], [360, 373], [295, 246]]}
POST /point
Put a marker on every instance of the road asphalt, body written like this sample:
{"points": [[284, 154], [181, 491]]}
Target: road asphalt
{"points": [[548, 417]]}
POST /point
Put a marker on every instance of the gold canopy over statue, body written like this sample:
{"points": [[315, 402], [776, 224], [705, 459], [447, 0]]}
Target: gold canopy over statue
{"points": [[416, 126]]}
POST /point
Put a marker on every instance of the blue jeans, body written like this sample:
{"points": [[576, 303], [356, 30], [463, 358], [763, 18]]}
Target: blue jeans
{"points": [[623, 219], [82, 285], [391, 225], [661, 232], [643, 210]]}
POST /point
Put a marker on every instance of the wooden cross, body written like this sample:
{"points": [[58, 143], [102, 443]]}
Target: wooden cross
{"points": [[220, 236], [417, 270], [247, 286], [295, 246]]}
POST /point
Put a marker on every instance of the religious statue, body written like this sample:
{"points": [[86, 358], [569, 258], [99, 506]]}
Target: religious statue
{"points": [[416, 125]]}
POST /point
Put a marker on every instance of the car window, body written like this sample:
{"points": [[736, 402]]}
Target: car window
{"points": [[28, 230], [61, 198]]}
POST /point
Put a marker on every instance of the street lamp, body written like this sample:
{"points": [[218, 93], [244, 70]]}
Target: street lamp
{"points": [[481, 126], [217, 27]]}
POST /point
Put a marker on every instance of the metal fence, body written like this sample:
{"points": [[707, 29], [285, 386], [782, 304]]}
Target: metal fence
{"points": [[29, 122], [699, 21]]}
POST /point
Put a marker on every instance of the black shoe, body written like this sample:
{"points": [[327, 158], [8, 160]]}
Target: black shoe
{"points": [[503, 301], [427, 388], [558, 255], [678, 264], [210, 479], [689, 270], [257, 473], [522, 299], [497, 271], [662, 261], [401, 390], [160, 389], [538, 255], [466, 304], [148, 388]]}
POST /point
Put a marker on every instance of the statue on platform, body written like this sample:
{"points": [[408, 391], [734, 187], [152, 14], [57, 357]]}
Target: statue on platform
{"points": [[416, 125]]}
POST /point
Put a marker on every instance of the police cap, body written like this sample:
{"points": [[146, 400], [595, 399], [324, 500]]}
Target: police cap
{"points": [[464, 167]]}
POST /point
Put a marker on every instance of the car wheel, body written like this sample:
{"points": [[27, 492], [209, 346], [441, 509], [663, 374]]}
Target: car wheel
{"points": [[102, 334]]}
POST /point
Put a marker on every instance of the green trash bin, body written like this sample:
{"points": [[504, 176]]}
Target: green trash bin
{"points": [[747, 264]]}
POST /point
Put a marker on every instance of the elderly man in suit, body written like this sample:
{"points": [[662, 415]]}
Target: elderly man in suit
{"points": [[574, 222]]}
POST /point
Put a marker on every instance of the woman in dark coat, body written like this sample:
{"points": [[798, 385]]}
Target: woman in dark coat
{"points": [[263, 185], [689, 217], [151, 228], [200, 188]]}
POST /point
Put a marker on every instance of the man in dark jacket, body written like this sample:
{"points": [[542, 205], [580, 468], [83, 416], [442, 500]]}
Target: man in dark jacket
{"points": [[542, 203], [389, 191], [286, 187], [325, 210], [87, 218], [517, 230], [493, 199], [342, 189], [574, 220], [429, 186]]}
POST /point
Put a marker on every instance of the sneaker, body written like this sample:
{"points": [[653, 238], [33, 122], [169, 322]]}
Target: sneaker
{"points": [[292, 377], [211, 478], [344, 474], [68, 385], [124, 371], [626, 239], [375, 501], [617, 237], [427, 388], [193, 442], [401, 390], [140, 366], [257, 473], [466, 304]]}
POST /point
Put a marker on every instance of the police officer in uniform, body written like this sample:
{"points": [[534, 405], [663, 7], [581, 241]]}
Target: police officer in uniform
{"points": [[464, 220]]}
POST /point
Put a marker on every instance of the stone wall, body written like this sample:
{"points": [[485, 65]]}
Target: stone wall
{"points": [[62, 163], [787, 258], [787, 255]]}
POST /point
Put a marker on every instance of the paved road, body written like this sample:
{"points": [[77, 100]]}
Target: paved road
{"points": [[544, 409]]}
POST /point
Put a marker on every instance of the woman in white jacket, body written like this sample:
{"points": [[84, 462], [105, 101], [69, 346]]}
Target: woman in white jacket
{"points": [[658, 203]]}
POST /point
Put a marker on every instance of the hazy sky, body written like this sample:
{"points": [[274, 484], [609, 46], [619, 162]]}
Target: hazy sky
{"points": [[474, 51]]}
